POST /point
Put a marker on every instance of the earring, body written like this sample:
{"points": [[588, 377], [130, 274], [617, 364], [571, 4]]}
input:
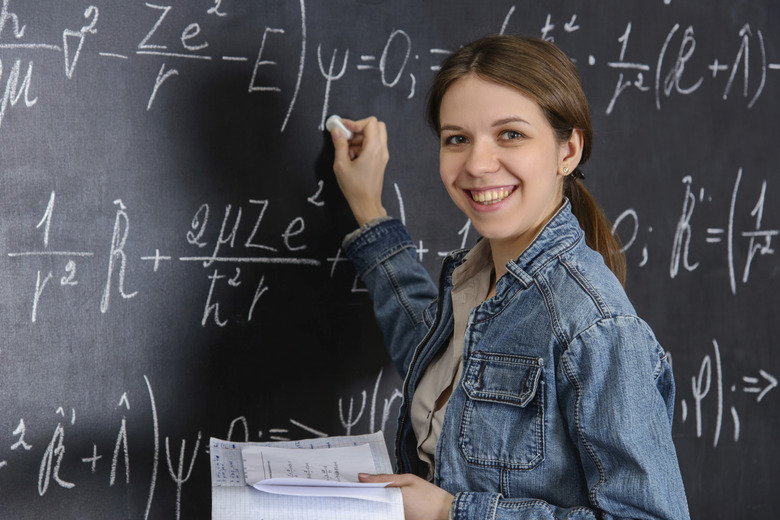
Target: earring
{"points": [[565, 169]]}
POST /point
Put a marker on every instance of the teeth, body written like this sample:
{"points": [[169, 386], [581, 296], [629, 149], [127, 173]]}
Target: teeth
{"points": [[491, 196]]}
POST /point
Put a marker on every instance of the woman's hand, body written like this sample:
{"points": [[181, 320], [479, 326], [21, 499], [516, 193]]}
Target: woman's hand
{"points": [[359, 166], [422, 500]]}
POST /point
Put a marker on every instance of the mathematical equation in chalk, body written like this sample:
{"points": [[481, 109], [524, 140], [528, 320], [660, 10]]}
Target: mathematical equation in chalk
{"points": [[755, 241], [668, 71], [237, 232], [112, 460], [242, 245], [711, 385], [57, 461]]}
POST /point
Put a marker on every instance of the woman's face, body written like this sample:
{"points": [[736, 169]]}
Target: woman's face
{"points": [[501, 161]]}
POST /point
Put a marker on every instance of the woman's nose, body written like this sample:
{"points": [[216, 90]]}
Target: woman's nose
{"points": [[482, 159]]}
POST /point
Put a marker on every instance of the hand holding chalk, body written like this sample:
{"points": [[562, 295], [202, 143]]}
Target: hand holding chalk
{"points": [[333, 122], [359, 164]]}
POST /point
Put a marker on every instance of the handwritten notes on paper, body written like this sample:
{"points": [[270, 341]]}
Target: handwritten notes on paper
{"points": [[296, 479], [332, 472]]}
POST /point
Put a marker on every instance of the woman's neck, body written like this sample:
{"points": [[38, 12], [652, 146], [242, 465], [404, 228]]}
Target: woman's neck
{"points": [[504, 250]]}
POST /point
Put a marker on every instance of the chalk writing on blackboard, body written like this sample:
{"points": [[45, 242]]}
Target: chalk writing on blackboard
{"points": [[373, 412], [706, 383], [674, 80], [234, 234], [758, 238], [117, 257], [71, 54], [668, 72]]}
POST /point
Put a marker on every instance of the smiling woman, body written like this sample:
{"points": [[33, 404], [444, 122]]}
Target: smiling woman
{"points": [[502, 164], [532, 389], [548, 78]]}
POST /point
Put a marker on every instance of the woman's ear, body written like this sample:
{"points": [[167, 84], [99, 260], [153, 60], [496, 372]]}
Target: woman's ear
{"points": [[571, 152]]}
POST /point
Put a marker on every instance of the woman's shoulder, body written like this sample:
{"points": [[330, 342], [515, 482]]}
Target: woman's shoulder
{"points": [[592, 309], [585, 285]]}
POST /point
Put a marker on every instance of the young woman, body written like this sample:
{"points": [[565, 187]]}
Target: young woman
{"points": [[532, 389]]}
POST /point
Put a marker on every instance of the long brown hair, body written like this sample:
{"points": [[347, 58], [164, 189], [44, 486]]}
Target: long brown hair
{"points": [[542, 72]]}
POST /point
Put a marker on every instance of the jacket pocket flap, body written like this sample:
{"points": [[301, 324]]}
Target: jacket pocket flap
{"points": [[502, 378]]}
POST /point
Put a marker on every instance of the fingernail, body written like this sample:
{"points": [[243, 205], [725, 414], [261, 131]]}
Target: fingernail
{"points": [[336, 134]]}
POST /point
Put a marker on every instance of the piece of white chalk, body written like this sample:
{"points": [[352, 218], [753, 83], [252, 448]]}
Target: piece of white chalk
{"points": [[334, 121]]}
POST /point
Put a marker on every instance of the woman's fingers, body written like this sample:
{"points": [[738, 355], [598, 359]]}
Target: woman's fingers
{"points": [[359, 165]]}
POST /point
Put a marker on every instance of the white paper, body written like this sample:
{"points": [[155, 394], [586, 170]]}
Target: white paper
{"points": [[332, 472], [233, 499], [322, 488]]}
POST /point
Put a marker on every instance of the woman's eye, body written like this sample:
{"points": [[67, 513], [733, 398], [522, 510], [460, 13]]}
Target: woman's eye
{"points": [[455, 140], [511, 135]]}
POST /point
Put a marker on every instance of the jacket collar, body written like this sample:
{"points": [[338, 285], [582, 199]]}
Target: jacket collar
{"points": [[560, 234]]}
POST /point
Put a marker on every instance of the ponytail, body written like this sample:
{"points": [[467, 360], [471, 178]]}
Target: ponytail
{"points": [[596, 225]]}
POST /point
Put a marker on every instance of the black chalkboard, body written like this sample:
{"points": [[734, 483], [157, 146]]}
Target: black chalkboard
{"points": [[170, 228]]}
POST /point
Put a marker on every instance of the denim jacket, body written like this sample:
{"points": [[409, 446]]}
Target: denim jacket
{"points": [[565, 405]]}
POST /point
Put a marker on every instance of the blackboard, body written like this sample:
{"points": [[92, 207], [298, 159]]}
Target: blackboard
{"points": [[170, 228]]}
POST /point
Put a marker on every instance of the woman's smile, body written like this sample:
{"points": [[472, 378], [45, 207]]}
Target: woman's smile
{"points": [[490, 196]]}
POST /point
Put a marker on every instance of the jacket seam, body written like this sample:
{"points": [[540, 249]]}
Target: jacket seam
{"points": [[400, 295], [549, 303], [583, 282], [541, 283], [571, 376]]}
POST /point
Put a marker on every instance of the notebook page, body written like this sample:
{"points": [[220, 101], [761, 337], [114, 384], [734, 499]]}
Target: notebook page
{"points": [[233, 499]]}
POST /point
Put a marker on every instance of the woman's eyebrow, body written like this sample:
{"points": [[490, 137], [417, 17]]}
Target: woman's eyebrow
{"points": [[511, 119], [499, 122], [451, 128]]}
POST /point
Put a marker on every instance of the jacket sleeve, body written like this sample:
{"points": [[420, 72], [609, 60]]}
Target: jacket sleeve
{"points": [[400, 288], [616, 391]]}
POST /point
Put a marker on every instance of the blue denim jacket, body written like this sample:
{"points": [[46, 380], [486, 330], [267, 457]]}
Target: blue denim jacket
{"points": [[565, 406]]}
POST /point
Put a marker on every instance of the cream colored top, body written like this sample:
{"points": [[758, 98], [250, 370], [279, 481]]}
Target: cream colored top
{"points": [[470, 285]]}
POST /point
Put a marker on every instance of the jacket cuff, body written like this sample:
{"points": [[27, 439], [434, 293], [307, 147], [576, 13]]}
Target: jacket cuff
{"points": [[352, 236], [376, 241], [474, 505]]}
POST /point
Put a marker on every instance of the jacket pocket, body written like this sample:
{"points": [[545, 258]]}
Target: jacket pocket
{"points": [[503, 417]]}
